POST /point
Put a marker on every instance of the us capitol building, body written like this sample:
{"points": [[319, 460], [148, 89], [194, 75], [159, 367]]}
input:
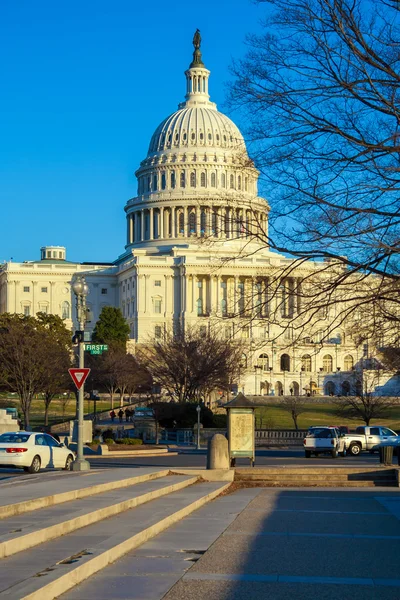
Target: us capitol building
{"points": [[190, 258]]}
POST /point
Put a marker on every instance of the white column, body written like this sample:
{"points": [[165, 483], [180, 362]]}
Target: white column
{"points": [[211, 294], [173, 221], [193, 292], [186, 221], [131, 235], [161, 232], [198, 220], [152, 223], [34, 284], [217, 296]]}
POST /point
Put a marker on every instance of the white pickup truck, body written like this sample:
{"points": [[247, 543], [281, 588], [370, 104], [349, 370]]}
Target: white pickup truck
{"points": [[324, 440], [370, 438]]}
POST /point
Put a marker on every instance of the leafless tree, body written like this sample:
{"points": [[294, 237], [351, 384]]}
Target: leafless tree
{"points": [[188, 364], [294, 405], [319, 89], [364, 407]]}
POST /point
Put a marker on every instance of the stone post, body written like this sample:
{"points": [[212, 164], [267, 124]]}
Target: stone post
{"points": [[217, 453]]}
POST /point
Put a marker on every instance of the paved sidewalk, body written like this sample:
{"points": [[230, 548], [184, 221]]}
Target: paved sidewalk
{"points": [[305, 544]]}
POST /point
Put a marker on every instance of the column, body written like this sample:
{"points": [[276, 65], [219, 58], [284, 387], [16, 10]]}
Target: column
{"points": [[34, 284], [210, 294], [173, 232], [151, 223], [146, 294], [128, 238], [217, 295], [198, 220], [142, 225], [193, 292], [52, 290], [209, 222], [131, 234], [219, 222], [161, 223], [186, 221], [235, 294]]}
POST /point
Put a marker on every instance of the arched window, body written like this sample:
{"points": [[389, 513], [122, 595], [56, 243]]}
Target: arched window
{"points": [[306, 362], [199, 307], [330, 388], [181, 223], [66, 311], [348, 362], [231, 182], [285, 362], [213, 180], [327, 363], [203, 222], [192, 223], [163, 181], [193, 179], [223, 180], [263, 362], [239, 182], [203, 179], [173, 179], [244, 361], [182, 179]]}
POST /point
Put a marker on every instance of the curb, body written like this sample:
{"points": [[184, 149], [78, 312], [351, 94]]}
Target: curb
{"points": [[21, 543], [123, 454], [10, 510], [67, 581]]}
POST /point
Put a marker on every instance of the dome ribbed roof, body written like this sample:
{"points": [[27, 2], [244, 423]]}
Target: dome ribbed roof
{"points": [[196, 126]]}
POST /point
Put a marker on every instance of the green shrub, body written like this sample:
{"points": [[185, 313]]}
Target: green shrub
{"points": [[109, 441], [108, 434], [219, 421], [130, 441]]}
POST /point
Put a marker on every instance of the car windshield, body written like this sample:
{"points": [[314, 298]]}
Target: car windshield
{"points": [[13, 438], [319, 433]]}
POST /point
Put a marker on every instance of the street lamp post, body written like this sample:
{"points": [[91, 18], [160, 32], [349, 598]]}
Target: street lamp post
{"points": [[198, 408], [81, 290]]}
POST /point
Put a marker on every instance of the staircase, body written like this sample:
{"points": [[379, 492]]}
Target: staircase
{"points": [[320, 477], [52, 543]]}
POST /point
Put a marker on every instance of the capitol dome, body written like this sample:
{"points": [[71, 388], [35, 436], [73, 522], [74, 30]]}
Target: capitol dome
{"points": [[196, 126], [197, 180]]}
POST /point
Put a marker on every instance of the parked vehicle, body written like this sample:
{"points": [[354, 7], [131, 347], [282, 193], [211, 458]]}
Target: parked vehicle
{"points": [[33, 451], [324, 440], [370, 438]]}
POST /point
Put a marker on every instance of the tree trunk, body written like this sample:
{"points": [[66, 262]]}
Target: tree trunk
{"points": [[294, 417], [46, 414], [156, 431]]}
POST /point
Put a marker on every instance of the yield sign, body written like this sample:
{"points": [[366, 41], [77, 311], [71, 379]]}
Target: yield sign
{"points": [[79, 376]]}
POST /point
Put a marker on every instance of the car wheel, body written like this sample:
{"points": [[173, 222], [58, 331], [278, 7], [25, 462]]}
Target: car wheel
{"points": [[35, 465], [68, 462], [307, 453], [355, 449], [334, 453]]}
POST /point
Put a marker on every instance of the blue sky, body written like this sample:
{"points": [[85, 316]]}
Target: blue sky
{"points": [[83, 86]]}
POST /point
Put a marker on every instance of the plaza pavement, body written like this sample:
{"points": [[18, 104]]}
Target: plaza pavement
{"points": [[258, 544]]}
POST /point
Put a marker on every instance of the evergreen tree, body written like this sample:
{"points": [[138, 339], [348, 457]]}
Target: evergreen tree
{"points": [[111, 328]]}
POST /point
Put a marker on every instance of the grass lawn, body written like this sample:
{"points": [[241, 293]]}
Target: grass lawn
{"points": [[59, 409], [273, 417]]}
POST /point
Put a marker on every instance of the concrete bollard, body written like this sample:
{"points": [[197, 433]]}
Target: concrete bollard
{"points": [[217, 452]]}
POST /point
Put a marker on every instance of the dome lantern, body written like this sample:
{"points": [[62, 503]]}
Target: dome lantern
{"points": [[197, 77]]}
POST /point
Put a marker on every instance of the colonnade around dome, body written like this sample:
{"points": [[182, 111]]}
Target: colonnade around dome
{"points": [[201, 221]]}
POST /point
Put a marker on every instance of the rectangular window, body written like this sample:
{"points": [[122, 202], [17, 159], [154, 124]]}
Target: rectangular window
{"points": [[27, 288], [43, 309], [157, 283], [157, 332], [104, 291], [203, 330], [157, 306], [27, 311], [245, 333], [44, 290]]}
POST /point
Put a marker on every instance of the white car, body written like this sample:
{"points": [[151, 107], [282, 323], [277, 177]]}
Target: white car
{"points": [[33, 451], [324, 440]]}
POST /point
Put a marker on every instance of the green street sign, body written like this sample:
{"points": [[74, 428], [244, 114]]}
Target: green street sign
{"points": [[96, 348]]}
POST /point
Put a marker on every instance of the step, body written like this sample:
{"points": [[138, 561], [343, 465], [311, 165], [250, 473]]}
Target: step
{"points": [[63, 563], [244, 472], [28, 494], [301, 477], [336, 484], [21, 532]]}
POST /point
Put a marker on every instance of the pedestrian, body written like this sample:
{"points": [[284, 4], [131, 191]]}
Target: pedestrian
{"points": [[112, 415], [127, 414], [120, 414]]}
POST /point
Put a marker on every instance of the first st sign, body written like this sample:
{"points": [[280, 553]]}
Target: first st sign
{"points": [[79, 376]]}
